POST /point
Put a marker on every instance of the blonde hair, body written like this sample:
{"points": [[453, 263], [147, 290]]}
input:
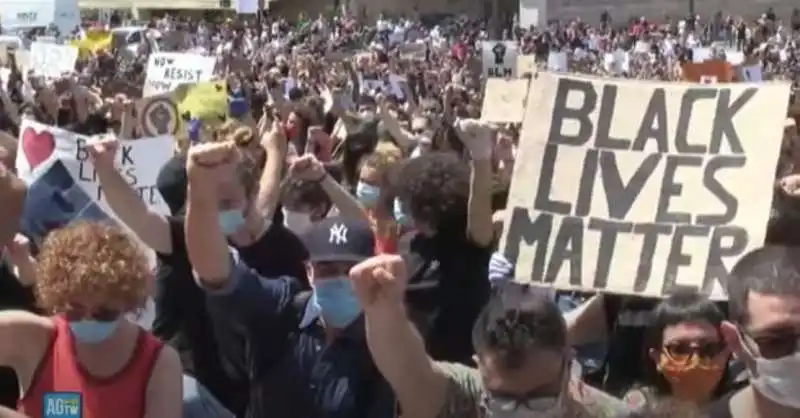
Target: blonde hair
{"points": [[234, 131], [230, 130]]}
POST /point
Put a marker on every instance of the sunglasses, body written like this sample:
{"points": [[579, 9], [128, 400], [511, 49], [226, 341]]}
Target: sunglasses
{"points": [[702, 349], [99, 314], [777, 346]]}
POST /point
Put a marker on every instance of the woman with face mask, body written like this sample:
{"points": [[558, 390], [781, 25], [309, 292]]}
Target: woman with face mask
{"points": [[686, 354], [372, 192], [89, 276]]}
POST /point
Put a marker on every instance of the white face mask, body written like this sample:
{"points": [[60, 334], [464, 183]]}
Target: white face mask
{"points": [[297, 222], [779, 380]]}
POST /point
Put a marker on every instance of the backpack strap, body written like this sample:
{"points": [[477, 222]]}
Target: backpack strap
{"points": [[300, 301]]}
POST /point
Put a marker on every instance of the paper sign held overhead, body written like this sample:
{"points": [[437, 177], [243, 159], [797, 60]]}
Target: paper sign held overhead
{"points": [[52, 60], [167, 70], [641, 188], [138, 161], [499, 59]]}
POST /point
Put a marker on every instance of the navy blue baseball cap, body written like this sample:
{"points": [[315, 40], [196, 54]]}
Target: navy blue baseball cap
{"points": [[338, 238]]}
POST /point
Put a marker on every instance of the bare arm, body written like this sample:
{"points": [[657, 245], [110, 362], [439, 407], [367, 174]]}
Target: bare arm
{"points": [[404, 138], [127, 122], [205, 243], [399, 354], [23, 334], [12, 194], [587, 323], [9, 107], [348, 206], [269, 185], [150, 227], [479, 221], [165, 387], [10, 413]]}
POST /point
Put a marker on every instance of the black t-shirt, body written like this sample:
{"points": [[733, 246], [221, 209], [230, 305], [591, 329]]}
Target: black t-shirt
{"points": [[627, 319], [449, 285], [172, 183], [720, 408], [13, 295], [182, 319]]}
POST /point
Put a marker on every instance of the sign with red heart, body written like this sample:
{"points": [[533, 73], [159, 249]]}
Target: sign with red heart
{"points": [[37, 146]]}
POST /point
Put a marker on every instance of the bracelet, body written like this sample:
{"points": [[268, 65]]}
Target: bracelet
{"points": [[321, 178]]}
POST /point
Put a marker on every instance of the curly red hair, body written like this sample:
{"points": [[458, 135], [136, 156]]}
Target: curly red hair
{"points": [[90, 266]]}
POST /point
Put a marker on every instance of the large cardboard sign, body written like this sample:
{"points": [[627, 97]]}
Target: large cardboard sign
{"points": [[641, 187]]}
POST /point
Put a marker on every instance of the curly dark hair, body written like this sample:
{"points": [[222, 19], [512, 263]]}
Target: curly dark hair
{"points": [[435, 189]]}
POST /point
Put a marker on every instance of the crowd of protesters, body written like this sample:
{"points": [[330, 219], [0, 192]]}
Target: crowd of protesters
{"points": [[329, 247]]}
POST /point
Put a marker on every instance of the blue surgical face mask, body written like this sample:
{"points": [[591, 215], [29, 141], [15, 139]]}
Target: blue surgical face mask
{"points": [[230, 221], [336, 299], [90, 331], [399, 215], [367, 193]]}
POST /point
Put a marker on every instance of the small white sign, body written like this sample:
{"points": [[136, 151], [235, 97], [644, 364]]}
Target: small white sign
{"points": [[52, 60], [500, 59], [167, 70]]}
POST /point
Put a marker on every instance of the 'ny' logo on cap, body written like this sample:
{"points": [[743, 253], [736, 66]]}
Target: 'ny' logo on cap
{"points": [[338, 234]]}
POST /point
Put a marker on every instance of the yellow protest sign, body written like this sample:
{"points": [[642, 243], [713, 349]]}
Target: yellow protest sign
{"points": [[93, 40], [207, 101]]}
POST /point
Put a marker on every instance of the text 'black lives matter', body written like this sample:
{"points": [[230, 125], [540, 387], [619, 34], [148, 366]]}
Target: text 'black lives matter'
{"points": [[126, 168], [567, 222]]}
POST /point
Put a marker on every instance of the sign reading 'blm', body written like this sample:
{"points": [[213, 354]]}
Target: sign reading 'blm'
{"points": [[641, 188]]}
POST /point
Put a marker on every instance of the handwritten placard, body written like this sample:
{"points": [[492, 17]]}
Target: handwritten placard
{"points": [[641, 188], [167, 70], [52, 60]]}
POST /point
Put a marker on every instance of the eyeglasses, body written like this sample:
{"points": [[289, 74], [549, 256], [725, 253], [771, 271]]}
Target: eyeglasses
{"points": [[508, 404], [703, 349]]}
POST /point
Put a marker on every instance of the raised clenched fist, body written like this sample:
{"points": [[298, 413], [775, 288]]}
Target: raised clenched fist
{"points": [[380, 281]]}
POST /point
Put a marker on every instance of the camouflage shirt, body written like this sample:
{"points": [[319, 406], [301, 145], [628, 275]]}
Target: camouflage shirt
{"points": [[465, 393]]}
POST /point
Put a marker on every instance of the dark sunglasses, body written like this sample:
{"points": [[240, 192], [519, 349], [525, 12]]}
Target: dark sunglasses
{"points": [[99, 314], [703, 349], [777, 346]]}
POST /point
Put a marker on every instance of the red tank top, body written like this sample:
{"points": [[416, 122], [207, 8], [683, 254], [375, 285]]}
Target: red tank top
{"points": [[120, 396]]}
